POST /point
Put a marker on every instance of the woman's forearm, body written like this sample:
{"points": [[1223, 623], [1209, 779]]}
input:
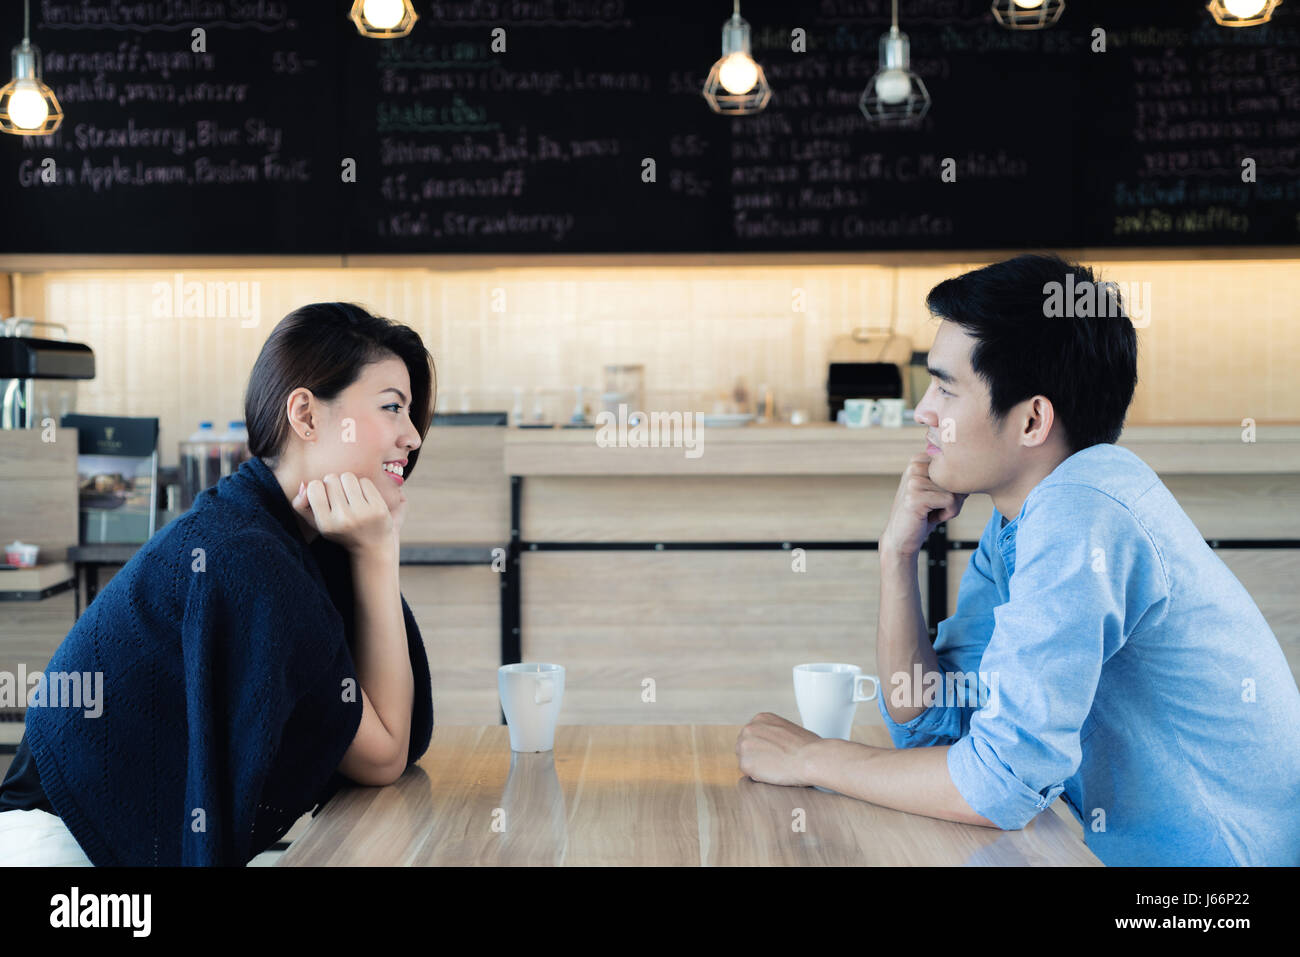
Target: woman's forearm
{"points": [[382, 658]]}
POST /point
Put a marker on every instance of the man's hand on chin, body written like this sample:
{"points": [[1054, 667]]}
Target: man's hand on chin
{"points": [[774, 751]]}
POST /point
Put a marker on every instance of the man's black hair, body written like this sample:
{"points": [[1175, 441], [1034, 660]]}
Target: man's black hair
{"points": [[1033, 338]]}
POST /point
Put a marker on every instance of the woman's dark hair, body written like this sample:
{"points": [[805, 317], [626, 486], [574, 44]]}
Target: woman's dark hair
{"points": [[323, 347], [1037, 332]]}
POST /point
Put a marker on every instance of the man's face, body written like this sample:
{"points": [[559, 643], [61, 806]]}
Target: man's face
{"points": [[972, 456]]}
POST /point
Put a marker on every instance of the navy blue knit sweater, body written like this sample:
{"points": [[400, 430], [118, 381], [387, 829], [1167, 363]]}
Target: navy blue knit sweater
{"points": [[226, 647]]}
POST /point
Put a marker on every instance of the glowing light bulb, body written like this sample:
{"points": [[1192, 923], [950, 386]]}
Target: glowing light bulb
{"points": [[383, 14], [893, 86], [1029, 4], [27, 108], [738, 74], [1244, 9]]}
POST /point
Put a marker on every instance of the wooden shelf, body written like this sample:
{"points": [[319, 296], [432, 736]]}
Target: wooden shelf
{"points": [[36, 583]]}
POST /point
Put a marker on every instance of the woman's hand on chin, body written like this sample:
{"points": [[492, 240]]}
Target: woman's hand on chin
{"points": [[349, 511]]}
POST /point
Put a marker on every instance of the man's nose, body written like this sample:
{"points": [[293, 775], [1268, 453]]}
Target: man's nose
{"points": [[924, 415]]}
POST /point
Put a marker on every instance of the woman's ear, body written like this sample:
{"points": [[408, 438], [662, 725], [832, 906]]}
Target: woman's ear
{"points": [[298, 407]]}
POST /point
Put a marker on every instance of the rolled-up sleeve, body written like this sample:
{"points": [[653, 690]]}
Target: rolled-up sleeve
{"points": [[1085, 574], [958, 645]]}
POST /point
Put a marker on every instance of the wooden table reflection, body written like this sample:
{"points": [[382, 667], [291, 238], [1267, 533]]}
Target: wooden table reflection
{"points": [[639, 795]]}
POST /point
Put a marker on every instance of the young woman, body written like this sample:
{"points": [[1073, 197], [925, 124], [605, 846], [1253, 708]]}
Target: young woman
{"points": [[256, 654]]}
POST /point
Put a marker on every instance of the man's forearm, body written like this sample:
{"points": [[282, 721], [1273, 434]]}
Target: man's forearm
{"points": [[382, 658], [913, 779], [901, 637]]}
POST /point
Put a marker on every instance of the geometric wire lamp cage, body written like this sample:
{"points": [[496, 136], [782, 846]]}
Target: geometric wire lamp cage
{"points": [[895, 98], [383, 19], [27, 106], [1027, 14], [736, 85], [1242, 13]]}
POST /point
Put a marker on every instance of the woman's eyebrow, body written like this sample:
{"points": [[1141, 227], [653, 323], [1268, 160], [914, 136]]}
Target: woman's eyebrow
{"points": [[400, 393]]}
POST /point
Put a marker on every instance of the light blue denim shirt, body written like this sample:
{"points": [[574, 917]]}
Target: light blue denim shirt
{"points": [[1132, 671]]}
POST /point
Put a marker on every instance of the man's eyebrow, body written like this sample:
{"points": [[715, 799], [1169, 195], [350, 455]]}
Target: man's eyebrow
{"points": [[400, 393], [941, 374]]}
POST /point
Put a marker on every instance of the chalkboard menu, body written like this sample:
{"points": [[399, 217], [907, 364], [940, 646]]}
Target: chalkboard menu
{"points": [[533, 126]]}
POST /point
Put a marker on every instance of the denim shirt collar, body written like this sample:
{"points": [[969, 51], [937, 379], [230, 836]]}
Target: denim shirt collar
{"points": [[1006, 535], [1006, 540]]}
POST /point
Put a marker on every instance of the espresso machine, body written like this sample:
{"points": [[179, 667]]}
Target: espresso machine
{"points": [[868, 363], [30, 368]]}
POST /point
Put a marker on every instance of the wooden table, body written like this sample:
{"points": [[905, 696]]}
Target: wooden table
{"points": [[639, 795]]}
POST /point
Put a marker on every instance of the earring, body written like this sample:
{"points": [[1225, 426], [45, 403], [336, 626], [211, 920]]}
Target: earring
{"points": [[308, 432]]}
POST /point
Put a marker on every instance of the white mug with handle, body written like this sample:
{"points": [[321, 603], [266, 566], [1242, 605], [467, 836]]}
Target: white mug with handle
{"points": [[828, 695], [531, 694]]}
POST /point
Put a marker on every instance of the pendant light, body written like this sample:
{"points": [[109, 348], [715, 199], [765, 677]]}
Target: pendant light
{"points": [[1242, 13], [383, 19], [1027, 14], [736, 85], [27, 106], [895, 97]]}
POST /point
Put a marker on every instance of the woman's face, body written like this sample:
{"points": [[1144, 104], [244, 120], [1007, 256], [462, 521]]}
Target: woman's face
{"points": [[368, 425]]}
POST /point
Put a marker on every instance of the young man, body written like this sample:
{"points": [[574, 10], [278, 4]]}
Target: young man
{"points": [[1132, 672]]}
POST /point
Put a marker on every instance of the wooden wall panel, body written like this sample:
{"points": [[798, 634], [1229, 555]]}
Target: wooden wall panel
{"points": [[707, 508], [31, 631], [459, 613], [38, 490], [1270, 575], [719, 632], [459, 493]]}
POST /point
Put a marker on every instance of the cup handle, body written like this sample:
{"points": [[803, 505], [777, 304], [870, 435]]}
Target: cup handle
{"points": [[875, 688], [543, 690]]}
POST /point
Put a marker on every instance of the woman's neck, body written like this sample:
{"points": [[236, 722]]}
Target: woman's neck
{"points": [[285, 477]]}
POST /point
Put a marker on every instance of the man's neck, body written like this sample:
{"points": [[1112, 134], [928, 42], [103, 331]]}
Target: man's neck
{"points": [[1011, 500]]}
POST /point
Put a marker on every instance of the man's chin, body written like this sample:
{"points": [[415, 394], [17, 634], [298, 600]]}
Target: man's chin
{"points": [[940, 477]]}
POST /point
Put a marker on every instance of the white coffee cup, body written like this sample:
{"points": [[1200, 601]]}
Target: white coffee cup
{"points": [[891, 413], [531, 694], [861, 413], [828, 696]]}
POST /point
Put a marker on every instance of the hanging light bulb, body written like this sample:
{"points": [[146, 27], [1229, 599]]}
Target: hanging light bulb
{"points": [[736, 85], [893, 86], [1242, 13], [27, 106], [895, 96], [1244, 8], [738, 73], [1027, 14], [383, 19], [383, 14]]}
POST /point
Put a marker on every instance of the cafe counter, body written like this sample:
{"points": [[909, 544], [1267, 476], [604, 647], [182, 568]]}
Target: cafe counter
{"points": [[702, 571]]}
